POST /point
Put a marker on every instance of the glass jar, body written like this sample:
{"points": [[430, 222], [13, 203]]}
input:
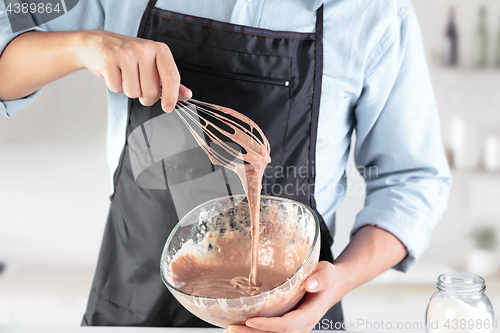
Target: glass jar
{"points": [[460, 305]]}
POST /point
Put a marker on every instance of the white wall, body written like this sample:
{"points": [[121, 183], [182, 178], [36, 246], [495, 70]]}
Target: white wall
{"points": [[54, 184]]}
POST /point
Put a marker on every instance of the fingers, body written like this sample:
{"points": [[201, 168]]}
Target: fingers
{"points": [[113, 78], [156, 74], [277, 324], [130, 76], [301, 320], [169, 77], [321, 286], [240, 329], [289, 322], [323, 277], [139, 68], [246, 329], [149, 79]]}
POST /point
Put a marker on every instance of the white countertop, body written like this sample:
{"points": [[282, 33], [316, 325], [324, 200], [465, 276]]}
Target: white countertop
{"points": [[78, 329]]}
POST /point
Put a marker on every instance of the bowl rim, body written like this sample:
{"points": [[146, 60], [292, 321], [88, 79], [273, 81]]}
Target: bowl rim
{"points": [[313, 246]]}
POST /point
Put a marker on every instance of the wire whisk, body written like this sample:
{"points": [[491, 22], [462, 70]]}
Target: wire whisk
{"points": [[233, 138]]}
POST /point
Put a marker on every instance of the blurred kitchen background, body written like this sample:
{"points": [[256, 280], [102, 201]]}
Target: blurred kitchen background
{"points": [[55, 184]]}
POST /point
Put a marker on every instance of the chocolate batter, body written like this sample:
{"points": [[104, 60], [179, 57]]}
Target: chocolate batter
{"points": [[215, 273], [218, 281]]}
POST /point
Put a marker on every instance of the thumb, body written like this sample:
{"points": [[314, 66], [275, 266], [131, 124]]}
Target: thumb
{"points": [[322, 277]]}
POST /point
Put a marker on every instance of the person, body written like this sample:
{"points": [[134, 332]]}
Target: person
{"points": [[308, 72]]}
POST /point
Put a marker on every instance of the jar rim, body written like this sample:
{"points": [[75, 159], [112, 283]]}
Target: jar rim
{"points": [[461, 283]]}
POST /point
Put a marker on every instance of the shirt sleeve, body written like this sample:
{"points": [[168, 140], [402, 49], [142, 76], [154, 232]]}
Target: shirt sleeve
{"points": [[398, 145], [86, 15]]}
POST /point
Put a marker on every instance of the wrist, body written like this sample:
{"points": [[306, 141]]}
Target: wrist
{"points": [[84, 41], [346, 281]]}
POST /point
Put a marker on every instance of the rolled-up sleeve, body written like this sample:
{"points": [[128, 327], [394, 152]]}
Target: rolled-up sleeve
{"points": [[398, 144], [86, 15], [10, 108]]}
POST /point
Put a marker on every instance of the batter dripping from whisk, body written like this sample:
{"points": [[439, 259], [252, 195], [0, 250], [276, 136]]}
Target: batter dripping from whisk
{"points": [[256, 157]]}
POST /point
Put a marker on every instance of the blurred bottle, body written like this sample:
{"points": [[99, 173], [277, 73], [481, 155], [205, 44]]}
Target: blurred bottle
{"points": [[450, 50], [482, 39]]}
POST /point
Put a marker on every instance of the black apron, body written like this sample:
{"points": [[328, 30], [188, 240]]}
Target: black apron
{"points": [[273, 77]]}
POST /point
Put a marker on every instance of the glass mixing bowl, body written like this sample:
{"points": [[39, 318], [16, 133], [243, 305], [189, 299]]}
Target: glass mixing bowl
{"points": [[289, 223]]}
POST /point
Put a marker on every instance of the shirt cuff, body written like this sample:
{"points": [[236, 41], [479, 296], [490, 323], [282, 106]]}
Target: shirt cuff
{"points": [[10, 108], [413, 233]]}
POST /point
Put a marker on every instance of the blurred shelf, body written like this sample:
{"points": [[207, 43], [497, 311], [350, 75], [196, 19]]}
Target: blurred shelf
{"points": [[418, 288], [422, 274], [467, 79], [475, 173], [467, 70]]}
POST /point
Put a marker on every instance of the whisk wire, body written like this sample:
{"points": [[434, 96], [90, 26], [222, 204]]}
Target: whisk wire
{"points": [[193, 112], [214, 156], [192, 116]]}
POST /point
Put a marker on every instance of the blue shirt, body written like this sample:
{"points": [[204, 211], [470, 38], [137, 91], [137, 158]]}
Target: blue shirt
{"points": [[375, 82]]}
